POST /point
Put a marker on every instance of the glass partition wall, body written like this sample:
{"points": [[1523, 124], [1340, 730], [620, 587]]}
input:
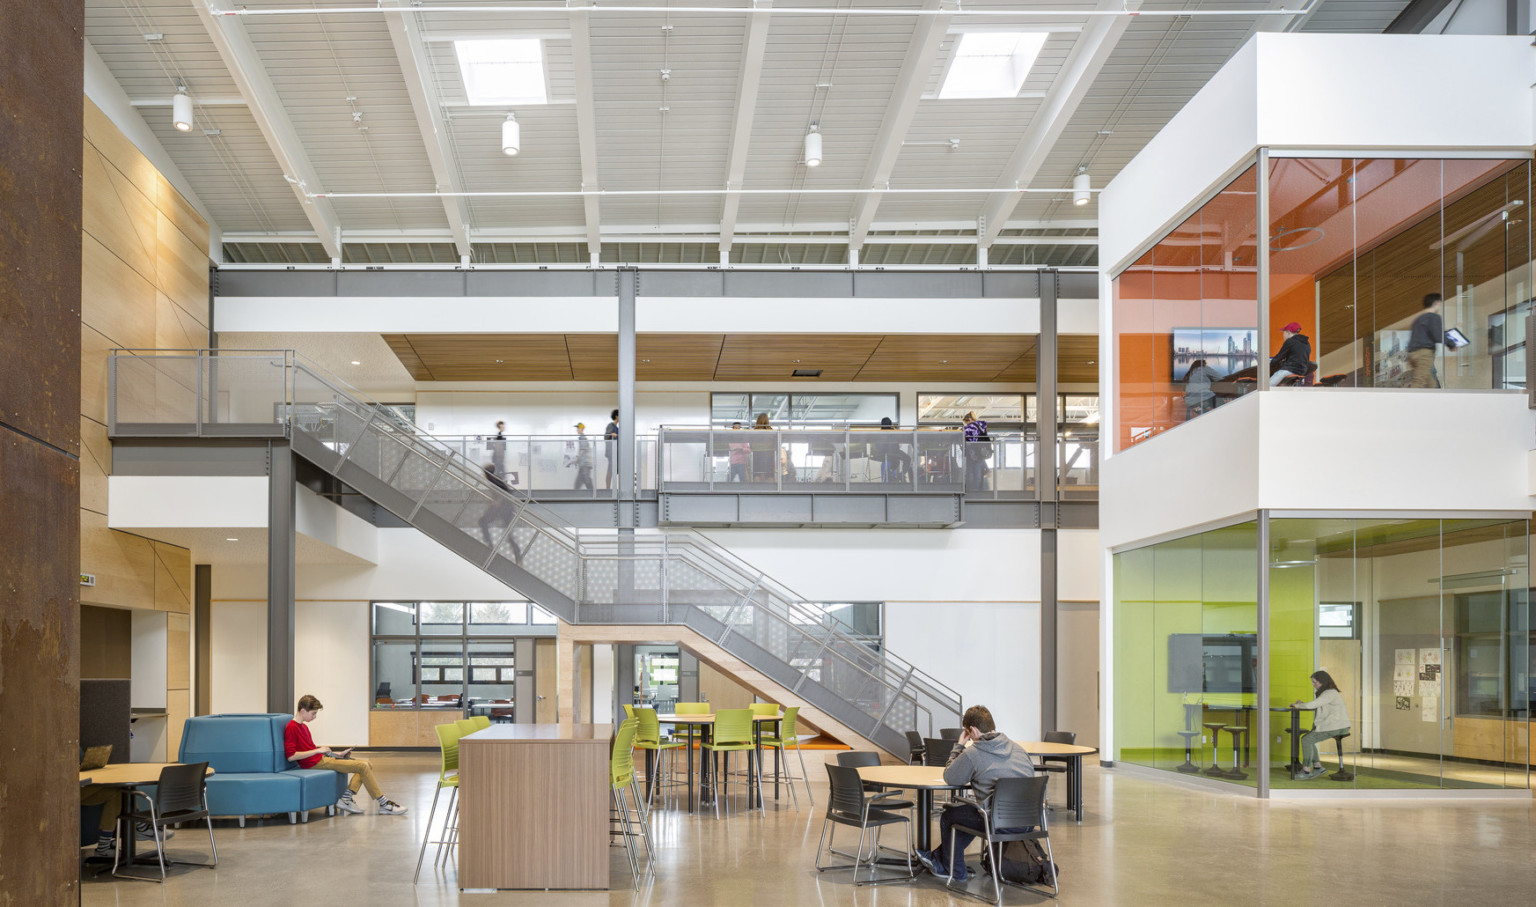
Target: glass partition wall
{"points": [[1354, 249], [1423, 625]]}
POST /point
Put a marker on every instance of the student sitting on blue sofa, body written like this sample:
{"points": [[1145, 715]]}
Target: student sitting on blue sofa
{"points": [[300, 748]]}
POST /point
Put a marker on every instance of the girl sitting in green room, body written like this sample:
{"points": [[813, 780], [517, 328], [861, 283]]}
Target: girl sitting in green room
{"points": [[1331, 720]]}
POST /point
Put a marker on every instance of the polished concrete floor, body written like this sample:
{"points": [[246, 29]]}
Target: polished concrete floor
{"points": [[1141, 842]]}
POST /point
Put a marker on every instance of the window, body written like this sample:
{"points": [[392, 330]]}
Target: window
{"points": [[1001, 411], [502, 71], [441, 654], [823, 410], [991, 64]]}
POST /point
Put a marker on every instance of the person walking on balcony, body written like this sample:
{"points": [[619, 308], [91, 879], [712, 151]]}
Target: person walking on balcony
{"points": [[978, 450], [895, 463], [610, 449], [1294, 357], [1427, 334], [740, 457], [762, 452], [498, 446], [583, 461]]}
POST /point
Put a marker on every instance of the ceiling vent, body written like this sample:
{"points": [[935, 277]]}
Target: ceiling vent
{"points": [[806, 373]]}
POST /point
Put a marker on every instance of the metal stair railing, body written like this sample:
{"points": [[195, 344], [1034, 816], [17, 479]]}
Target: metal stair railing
{"points": [[680, 578]]}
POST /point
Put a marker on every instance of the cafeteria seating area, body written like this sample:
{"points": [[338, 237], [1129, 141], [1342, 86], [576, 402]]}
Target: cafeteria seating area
{"points": [[1141, 841]]}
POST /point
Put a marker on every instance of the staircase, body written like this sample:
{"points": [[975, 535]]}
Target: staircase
{"points": [[677, 579]]}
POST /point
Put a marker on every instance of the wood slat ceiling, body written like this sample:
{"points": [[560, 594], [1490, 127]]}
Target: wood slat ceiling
{"points": [[740, 357]]}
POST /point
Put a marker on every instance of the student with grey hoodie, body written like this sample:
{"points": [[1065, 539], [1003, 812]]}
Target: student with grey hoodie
{"points": [[981, 757]]}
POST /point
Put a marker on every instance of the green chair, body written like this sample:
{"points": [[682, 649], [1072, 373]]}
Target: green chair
{"points": [[466, 726], [648, 737], [629, 710], [621, 777], [481, 722], [691, 731], [765, 708], [732, 734], [447, 776], [784, 741]]}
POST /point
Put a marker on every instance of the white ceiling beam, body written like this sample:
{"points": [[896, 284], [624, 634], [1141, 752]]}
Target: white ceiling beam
{"points": [[684, 239], [1089, 53], [199, 101], [754, 47], [405, 34], [250, 77], [927, 38], [586, 123]]}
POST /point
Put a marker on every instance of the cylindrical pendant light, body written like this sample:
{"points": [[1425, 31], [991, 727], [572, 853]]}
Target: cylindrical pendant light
{"points": [[1082, 188], [511, 136], [813, 147], [181, 111]]}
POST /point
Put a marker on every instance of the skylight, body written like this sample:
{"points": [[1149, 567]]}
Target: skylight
{"points": [[503, 71], [991, 64]]}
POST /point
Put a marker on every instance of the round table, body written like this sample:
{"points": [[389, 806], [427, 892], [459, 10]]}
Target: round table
{"points": [[924, 779], [128, 776], [1074, 754], [707, 722]]}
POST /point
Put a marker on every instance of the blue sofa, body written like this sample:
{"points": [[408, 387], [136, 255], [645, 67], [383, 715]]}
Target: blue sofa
{"points": [[252, 776]]}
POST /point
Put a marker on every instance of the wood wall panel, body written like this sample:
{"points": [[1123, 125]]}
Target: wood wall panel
{"points": [[118, 151], [944, 357], [771, 357], [173, 578], [106, 643], [178, 652], [178, 708], [181, 268], [114, 299], [95, 347], [181, 214], [594, 357], [95, 461], [124, 564], [677, 357], [407, 727], [117, 215], [176, 328]]}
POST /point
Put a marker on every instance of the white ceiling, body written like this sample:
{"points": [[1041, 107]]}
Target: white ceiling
{"points": [[344, 85]]}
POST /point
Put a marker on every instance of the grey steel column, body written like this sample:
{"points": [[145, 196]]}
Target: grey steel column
{"points": [[1262, 705], [281, 572], [202, 637], [1049, 410], [628, 508]]}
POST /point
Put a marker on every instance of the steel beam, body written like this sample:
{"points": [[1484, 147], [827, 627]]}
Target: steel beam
{"points": [[250, 77], [586, 124], [282, 539], [410, 51], [754, 46]]}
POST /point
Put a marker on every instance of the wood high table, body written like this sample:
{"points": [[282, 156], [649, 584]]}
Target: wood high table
{"points": [[533, 806], [707, 724], [129, 776]]}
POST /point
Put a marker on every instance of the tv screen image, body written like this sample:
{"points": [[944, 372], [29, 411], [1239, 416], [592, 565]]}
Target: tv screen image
{"points": [[1225, 350]]}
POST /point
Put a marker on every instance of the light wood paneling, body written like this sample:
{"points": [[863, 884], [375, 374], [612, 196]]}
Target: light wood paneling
{"points": [[772, 357], [173, 578], [117, 215], [178, 652], [176, 328], [106, 643], [114, 299], [181, 214], [94, 349], [408, 727], [545, 676], [677, 357], [534, 813], [95, 460], [1077, 358], [118, 151], [593, 357], [943, 357], [178, 708], [181, 268], [722, 690], [124, 564]]}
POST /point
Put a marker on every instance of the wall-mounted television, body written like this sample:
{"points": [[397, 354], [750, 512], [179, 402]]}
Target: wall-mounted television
{"points": [[1225, 350], [1213, 664]]}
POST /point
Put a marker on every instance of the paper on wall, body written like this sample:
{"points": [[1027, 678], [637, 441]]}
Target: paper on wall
{"points": [[1402, 688], [1431, 708], [1402, 678], [1429, 656], [1402, 672], [1429, 689], [1406, 656], [1403, 703]]}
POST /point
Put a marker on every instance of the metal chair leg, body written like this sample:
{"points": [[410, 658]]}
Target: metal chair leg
{"points": [[426, 835], [805, 776]]}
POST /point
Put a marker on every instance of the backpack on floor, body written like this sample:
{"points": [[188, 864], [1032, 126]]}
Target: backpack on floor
{"points": [[1024, 863]]}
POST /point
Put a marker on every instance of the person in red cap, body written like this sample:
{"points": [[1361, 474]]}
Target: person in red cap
{"points": [[1294, 358]]}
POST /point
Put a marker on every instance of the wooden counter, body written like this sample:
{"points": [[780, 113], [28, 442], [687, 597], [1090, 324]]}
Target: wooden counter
{"points": [[534, 806], [408, 727]]}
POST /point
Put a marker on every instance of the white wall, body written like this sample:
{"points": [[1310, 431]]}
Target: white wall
{"points": [[989, 653], [237, 654], [331, 655]]}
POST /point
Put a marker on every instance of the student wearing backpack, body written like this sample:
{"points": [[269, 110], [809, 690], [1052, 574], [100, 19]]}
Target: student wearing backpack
{"points": [[978, 450]]}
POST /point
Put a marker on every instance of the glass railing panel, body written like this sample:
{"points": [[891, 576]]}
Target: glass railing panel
{"points": [[1079, 464], [160, 391], [937, 461], [244, 393]]}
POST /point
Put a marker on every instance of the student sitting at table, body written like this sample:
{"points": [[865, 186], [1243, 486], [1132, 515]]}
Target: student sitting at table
{"points": [[1331, 720], [300, 748], [981, 757]]}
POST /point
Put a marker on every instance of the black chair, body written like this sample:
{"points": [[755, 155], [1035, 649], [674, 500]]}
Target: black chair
{"points": [[915, 748], [1342, 774], [1056, 763], [856, 759], [936, 752], [849, 805], [180, 796], [1016, 803], [950, 733]]}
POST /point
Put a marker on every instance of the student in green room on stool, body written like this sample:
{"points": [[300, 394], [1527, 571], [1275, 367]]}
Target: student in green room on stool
{"points": [[1331, 720]]}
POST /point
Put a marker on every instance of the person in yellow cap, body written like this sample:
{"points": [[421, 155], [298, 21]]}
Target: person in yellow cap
{"points": [[583, 459]]}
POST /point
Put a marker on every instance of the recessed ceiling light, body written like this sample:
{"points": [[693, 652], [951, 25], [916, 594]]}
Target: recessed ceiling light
{"points": [[500, 361], [943, 361], [231, 540], [502, 70], [645, 360], [794, 360], [355, 362], [991, 64]]}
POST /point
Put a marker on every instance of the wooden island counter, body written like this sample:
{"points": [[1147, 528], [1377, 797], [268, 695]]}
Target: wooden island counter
{"points": [[534, 806]]}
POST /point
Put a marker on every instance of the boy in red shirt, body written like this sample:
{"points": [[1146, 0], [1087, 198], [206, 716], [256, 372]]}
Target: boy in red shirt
{"points": [[300, 748]]}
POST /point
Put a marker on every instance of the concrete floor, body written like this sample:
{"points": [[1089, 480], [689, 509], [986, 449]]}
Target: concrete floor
{"points": [[1141, 842]]}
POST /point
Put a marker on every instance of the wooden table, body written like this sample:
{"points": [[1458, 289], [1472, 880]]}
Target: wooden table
{"points": [[533, 806], [924, 779], [128, 776], [706, 723], [1074, 755]]}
